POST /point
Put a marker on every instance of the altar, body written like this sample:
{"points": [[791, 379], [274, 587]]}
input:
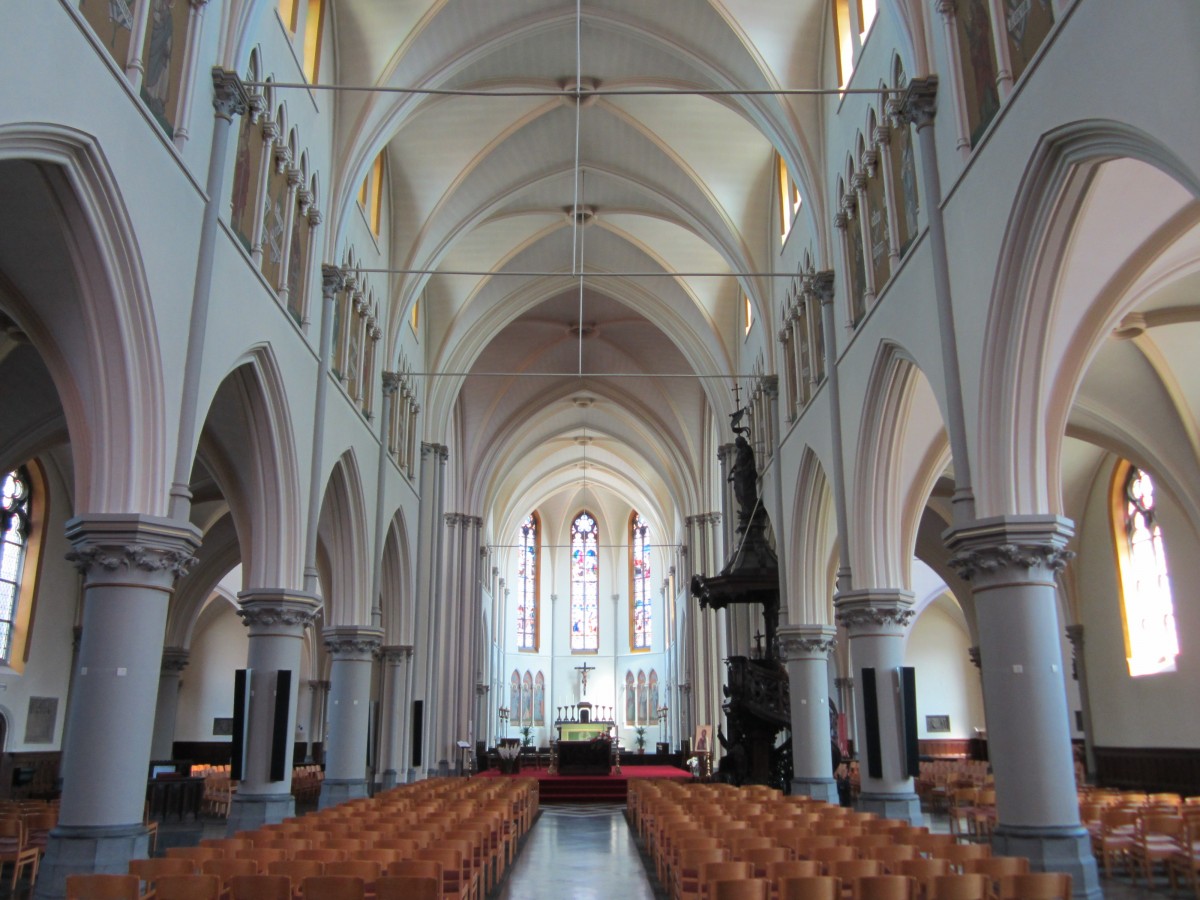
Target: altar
{"points": [[592, 757], [584, 745]]}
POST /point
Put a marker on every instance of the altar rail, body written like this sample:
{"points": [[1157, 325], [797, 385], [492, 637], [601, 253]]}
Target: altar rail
{"points": [[1150, 769]]}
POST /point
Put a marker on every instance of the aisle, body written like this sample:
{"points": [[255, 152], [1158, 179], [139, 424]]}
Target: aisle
{"points": [[578, 852]]}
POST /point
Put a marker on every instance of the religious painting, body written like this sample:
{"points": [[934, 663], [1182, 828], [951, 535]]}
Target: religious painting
{"points": [[703, 740], [539, 699], [818, 343], [112, 20], [527, 699], [40, 720], [937, 723], [341, 312], [653, 701], [978, 65], [904, 177], [162, 59], [1027, 23], [274, 223], [353, 370], [630, 700], [642, 698], [514, 697], [246, 166], [297, 264], [222, 726], [877, 226], [858, 273]]}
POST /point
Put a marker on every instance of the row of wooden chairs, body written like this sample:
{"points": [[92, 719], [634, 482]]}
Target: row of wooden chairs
{"points": [[424, 886], [1039, 886], [1145, 838]]}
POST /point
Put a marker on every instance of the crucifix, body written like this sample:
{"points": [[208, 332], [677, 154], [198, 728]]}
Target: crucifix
{"points": [[583, 670], [758, 639]]}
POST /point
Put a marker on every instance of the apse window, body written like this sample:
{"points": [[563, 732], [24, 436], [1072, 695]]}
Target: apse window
{"points": [[585, 584], [1151, 641], [749, 314], [641, 619], [789, 201], [527, 584]]}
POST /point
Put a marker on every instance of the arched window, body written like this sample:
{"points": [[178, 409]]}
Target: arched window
{"points": [[20, 541], [585, 584], [641, 622], [528, 611], [13, 538], [1151, 642]]}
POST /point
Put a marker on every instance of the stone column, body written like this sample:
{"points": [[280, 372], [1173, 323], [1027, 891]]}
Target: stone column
{"points": [[129, 565], [805, 649], [276, 619], [875, 623], [395, 711], [174, 661], [1079, 673], [318, 702], [1012, 563], [352, 650]]}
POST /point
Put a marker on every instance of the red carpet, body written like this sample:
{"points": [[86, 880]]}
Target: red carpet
{"points": [[595, 788]]}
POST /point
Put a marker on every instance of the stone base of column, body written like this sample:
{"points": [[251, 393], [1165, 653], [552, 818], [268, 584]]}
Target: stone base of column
{"points": [[389, 779], [411, 777], [250, 811], [1064, 849], [892, 806], [817, 788], [339, 790], [443, 768], [71, 851]]}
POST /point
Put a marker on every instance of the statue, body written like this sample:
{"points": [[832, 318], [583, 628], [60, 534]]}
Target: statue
{"points": [[744, 475]]}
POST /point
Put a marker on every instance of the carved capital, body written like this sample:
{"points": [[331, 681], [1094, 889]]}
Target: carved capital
{"points": [[820, 286], [798, 642], [1026, 549], [175, 660], [769, 385], [352, 642], [391, 382], [315, 217], [948, 9], [847, 683], [1075, 636], [229, 95], [974, 656], [918, 105], [878, 612], [481, 689], [396, 654], [987, 560], [277, 612], [106, 544], [882, 137], [295, 177], [332, 280]]}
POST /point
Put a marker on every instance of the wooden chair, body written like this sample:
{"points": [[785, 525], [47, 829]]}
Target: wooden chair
{"points": [[929, 844], [368, 870], [260, 887], [1036, 886], [296, 870], [689, 874], [850, 870], [923, 870], [827, 856], [229, 845], [102, 887], [321, 854], [1158, 839], [415, 868], [455, 878], [188, 887], [884, 887], [149, 871], [1118, 827], [890, 855], [960, 887], [740, 889], [959, 854], [196, 854], [762, 857], [13, 849], [264, 856], [333, 887], [408, 887], [995, 868], [810, 887], [726, 870]]}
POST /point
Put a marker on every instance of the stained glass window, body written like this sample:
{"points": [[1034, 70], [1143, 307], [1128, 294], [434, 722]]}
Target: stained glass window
{"points": [[585, 584], [14, 535], [641, 631], [1151, 641], [527, 584]]}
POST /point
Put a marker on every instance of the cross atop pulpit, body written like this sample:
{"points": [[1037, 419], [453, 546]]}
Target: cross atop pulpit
{"points": [[758, 639], [583, 670]]}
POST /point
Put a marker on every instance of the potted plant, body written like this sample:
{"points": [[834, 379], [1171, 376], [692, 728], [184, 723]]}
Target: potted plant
{"points": [[526, 735], [640, 738]]}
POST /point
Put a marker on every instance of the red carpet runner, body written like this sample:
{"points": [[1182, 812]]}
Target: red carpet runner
{"points": [[590, 788]]}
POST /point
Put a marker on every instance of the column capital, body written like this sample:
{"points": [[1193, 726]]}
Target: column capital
{"points": [[820, 285], [1075, 636], [880, 611], [844, 683], [280, 612], [113, 546], [332, 280], [973, 654], [352, 642], [391, 382], [481, 689], [175, 660], [396, 654], [992, 550], [229, 94], [798, 642], [318, 685], [769, 385], [918, 106]]}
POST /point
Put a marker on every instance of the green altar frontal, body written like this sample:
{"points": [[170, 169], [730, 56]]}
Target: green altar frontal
{"points": [[582, 731]]}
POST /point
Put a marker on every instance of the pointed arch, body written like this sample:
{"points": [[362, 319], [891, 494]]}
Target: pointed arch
{"points": [[343, 537], [812, 565]]}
